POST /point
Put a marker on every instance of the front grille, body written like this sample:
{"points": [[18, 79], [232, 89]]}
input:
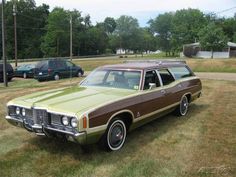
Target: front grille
{"points": [[29, 113], [55, 119], [11, 110], [40, 116]]}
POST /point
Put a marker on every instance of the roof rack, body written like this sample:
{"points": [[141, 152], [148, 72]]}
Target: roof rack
{"points": [[159, 62]]}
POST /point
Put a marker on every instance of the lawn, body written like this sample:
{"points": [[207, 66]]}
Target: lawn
{"points": [[201, 144], [198, 65]]}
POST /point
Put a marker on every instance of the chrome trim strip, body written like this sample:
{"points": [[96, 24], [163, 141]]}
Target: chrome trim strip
{"points": [[14, 119], [66, 132], [36, 126]]}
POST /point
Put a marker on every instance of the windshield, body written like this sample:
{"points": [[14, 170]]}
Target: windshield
{"points": [[114, 78]]}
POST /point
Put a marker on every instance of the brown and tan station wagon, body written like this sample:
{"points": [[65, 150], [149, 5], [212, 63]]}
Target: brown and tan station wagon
{"points": [[109, 102]]}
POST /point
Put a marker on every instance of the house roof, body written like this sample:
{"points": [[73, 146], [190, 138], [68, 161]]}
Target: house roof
{"points": [[231, 44]]}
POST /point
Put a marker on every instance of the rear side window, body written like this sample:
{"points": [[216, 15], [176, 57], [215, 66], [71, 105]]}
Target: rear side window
{"points": [[181, 72], [166, 76], [43, 65], [57, 64]]}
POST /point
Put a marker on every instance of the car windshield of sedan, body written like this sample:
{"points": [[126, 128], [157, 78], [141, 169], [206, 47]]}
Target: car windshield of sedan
{"points": [[124, 79]]}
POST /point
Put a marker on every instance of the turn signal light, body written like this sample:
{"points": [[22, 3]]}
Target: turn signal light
{"points": [[84, 122]]}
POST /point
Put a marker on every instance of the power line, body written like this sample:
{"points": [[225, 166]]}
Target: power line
{"points": [[33, 18], [226, 10]]}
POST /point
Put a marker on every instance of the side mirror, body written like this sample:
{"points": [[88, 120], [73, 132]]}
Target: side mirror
{"points": [[152, 86]]}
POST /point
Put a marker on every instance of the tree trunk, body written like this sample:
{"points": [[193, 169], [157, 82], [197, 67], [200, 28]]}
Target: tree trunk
{"points": [[211, 53], [57, 47]]}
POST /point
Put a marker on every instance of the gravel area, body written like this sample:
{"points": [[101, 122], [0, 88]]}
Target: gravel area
{"points": [[217, 76]]}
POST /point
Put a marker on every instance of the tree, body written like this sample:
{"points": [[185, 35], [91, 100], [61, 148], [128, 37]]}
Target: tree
{"points": [[57, 39], [234, 37], [126, 30], [212, 38], [229, 27], [94, 41], [109, 25], [149, 42], [186, 24], [31, 20], [162, 27]]}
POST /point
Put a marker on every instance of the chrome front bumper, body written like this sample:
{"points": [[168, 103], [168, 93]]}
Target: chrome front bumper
{"points": [[42, 130]]}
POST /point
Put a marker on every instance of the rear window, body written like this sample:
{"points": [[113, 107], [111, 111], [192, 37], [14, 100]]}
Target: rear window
{"points": [[181, 72]]}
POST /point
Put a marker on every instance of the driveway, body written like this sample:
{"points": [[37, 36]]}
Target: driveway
{"points": [[217, 76]]}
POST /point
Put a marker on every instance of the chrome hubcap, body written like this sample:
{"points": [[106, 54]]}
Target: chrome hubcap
{"points": [[184, 106], [116, 135]]}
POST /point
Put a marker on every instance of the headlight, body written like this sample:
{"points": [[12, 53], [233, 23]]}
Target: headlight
{"points": [[23, 112], [74, 122], [65, 121], [17, 111]]}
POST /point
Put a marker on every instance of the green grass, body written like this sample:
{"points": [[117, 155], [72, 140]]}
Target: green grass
{"points": [[197, 65], [201, 144]]}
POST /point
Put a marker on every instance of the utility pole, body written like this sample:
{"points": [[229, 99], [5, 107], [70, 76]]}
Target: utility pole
{"points": [[15, 31], [3, 47], [71, 46]]}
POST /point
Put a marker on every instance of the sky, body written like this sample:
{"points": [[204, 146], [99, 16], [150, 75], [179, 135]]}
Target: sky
{"points": [[143, 10]]}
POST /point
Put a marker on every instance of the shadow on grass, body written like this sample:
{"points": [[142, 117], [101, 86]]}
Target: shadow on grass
{"points": [[135, 139]]}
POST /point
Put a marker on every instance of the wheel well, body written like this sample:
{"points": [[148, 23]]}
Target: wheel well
{"points": [[189, 97], [127, 118]]}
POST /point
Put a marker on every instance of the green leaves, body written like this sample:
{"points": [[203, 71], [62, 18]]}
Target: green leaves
{"points": [[212, 38]]}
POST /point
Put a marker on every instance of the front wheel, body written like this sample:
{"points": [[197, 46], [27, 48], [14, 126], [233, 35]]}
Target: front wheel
{"points": [[115, 136], [182, 109]]}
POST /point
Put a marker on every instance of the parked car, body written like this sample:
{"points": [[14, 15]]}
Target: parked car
{"points": [[109, 102], [10, 72], [25, 71], [56, 69]]}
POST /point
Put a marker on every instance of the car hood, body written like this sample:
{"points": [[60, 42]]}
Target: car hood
{"points": [[74, 100]]}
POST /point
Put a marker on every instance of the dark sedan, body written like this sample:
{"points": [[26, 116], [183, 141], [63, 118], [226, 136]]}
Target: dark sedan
{"points": [[25, 71], [10, 72]]}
